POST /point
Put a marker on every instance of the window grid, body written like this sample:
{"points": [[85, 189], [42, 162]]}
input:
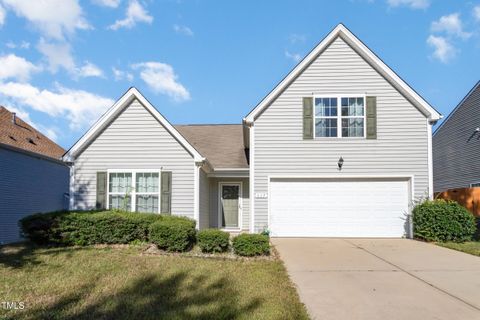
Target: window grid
{"points": [[142, 187], [349, 115], [326, 117]]}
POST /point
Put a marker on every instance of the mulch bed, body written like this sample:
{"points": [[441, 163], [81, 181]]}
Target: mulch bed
{"points": [[152, 249]]}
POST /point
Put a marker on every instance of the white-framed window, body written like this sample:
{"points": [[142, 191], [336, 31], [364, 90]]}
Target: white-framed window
{"points": [[134, 190], [474, 184], [339, 116]]}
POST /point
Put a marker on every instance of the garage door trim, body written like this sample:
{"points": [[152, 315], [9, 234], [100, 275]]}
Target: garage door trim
{"points": [[408, 178]]}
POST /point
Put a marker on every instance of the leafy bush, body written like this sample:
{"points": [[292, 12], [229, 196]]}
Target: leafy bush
{"points": [[42, 228], [87, 228], [213, 240], [173, 233], [442, 221], [249, 245]]}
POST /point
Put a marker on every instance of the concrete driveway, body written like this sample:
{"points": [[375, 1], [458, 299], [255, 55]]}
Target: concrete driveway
{"points": [[382, 278]]}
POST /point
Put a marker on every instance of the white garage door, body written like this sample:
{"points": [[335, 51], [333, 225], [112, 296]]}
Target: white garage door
{"points": [[338, 208]]}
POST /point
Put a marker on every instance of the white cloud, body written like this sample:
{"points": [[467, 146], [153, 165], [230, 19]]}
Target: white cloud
{"points": [[80, 108], [443, 49], [161, 78], [414, 4], [3, 15], [476, 13], [296, 57], [297, 38], [184, 30], [21, 45], [14, 67], [135, 13], [107, 3], [53, 18], [89, 70], [58, 55], [122, 75], [452, 25]]}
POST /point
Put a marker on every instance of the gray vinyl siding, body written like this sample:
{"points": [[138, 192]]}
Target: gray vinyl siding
{"points": [[28, 185], [401, 147], [204, 200], [214, 213], [456, 149], [136, 140]]}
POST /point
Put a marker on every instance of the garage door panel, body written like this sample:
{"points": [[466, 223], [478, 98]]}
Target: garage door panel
{"points": [[346, 208]]}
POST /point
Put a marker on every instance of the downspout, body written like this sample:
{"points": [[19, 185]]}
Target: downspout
{"points": [[251, 178], [196, 192], [71, 205]]}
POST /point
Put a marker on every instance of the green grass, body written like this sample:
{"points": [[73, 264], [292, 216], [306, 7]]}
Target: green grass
{"points": [[471, 247], [122, 283]]}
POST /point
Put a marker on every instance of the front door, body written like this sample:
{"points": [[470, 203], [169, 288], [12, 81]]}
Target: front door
{"points": [[230, 205]]}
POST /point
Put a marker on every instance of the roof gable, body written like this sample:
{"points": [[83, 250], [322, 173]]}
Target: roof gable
{"points": [[17, 133], [365, 53], [114, 111], [462, 103]]}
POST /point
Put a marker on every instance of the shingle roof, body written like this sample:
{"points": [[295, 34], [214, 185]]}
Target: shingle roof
{"points": [[22, 135], [221, 144]]}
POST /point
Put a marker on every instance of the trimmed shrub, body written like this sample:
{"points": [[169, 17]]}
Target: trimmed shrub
{"points": [[87, 228], [249, 245], [442, 221], [42, 228], [213, 240], [173, 233]]}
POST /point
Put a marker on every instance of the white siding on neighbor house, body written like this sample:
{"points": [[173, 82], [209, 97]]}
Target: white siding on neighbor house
{"points": [[28, 185], [401, 147], [204, 201], [136, 140], [456, 147], [214, 194]]}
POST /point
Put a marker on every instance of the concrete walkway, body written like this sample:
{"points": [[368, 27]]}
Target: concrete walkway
{"points": [[382, 279]]}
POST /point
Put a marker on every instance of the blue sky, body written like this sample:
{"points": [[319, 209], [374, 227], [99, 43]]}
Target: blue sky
{"points": [[64, 62]]}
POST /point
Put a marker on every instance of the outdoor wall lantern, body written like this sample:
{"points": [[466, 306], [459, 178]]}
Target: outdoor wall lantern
{"points": [[340, 163]]}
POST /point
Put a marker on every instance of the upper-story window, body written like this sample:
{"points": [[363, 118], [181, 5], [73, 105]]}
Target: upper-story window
{"points": [[339, 117]]}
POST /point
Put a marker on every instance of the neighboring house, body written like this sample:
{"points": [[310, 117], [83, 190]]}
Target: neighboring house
{"points": [[456, 146], [341, 147], [32, 176]]}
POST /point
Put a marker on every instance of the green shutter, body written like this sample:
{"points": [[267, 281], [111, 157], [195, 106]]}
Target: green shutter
{"points": [[101, 202], [307, 118], [371, 117], [166, 192]]}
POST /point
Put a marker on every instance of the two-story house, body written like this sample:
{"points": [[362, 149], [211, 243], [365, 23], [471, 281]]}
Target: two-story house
{"points": [[342, 146]]}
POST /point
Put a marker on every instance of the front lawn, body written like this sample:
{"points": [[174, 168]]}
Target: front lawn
{"points": [[123, 283], [471, 247]]}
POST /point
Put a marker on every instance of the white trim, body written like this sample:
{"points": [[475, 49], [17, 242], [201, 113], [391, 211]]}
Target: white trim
{"points": [[240, 204], [251, 180], [430, 159], [121, 104], [409, 178], [341, 31], [71, 204], [196, 193], [133, 192], [339, 116]]}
